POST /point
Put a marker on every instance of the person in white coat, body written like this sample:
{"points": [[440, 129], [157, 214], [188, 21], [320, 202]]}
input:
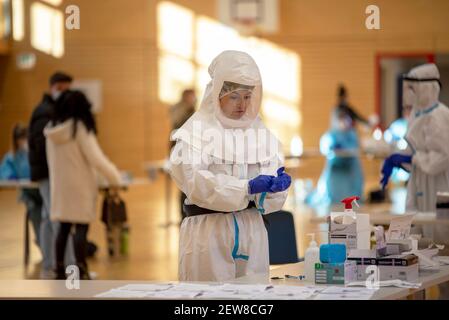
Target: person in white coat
{"points": [[74, 157], [230, 177], [427, 156]]}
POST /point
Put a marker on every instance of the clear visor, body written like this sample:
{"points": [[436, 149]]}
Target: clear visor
{"points": [[238, 102]]}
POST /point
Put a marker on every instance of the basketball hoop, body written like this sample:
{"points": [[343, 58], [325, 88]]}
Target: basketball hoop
{"points": [[250, 17]]}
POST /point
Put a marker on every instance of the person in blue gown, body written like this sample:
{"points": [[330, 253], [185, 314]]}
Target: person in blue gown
{"points": [[342, 175]]}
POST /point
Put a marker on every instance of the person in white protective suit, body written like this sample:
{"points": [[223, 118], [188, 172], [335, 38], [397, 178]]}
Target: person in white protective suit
{"points": [[229, 166], [427, 155]]}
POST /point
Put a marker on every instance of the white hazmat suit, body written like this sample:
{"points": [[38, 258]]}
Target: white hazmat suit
{"points": [[428, 140], [218, 160]]}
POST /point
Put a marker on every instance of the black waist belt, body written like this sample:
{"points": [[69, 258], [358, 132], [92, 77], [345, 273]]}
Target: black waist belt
{"points": [[193, 210]]}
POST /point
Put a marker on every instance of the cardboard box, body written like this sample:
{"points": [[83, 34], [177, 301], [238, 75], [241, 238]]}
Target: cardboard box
{"points": [[406, 273], [354, 235], [362, 265], [402, 267], [335, 273]]}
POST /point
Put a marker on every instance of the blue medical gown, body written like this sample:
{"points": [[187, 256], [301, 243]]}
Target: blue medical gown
{"points": [[342, 175]]}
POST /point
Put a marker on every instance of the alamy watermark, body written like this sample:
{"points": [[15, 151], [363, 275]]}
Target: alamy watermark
{"points": [[223, 146], [73, 20], [372, 22], [73, 277]]}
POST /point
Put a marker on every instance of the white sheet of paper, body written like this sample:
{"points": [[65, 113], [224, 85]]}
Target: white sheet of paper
{"points": [[225, 295], [146, 287], [117, 293], [254, 288], [387, 283], [196, 287], [344, 293], [173, 294]]}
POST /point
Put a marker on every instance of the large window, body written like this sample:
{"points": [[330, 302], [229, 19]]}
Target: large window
{"points": [[5, 19], [18, 20], [187, 44], [46, 25], [47, 29]]}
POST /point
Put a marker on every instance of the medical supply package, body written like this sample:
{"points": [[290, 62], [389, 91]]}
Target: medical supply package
{"points": [[335, 273]]}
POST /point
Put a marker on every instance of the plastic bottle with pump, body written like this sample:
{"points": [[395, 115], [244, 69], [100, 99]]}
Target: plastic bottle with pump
{"points": [[311, 257]]}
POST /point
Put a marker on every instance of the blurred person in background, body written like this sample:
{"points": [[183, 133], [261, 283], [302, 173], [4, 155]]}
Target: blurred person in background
{"points": [[179, 113], [15, 166], [343, 107], [58, 83], [342, 176], [427, 155], [74, 158]]}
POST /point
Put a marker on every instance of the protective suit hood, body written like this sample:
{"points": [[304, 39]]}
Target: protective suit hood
{"points": [[243, 140], [422, 87]]}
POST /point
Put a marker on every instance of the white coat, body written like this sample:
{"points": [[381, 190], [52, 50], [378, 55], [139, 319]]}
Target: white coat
{"points": [[73, 163]]}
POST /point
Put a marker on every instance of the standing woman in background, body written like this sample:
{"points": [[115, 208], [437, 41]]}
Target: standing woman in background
{"points": [[74, 156]]}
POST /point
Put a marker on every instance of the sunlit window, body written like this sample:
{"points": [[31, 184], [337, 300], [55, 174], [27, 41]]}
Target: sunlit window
{"points": [[47, 33], [175, 25], [188, 43], [5, 19], [18, 20], [178, 75], [53, 2]]}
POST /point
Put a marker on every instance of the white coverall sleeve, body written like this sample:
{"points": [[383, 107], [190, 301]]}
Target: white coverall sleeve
{"points": [[95, 156], [220, 192], [273, 201], [435, 159]]}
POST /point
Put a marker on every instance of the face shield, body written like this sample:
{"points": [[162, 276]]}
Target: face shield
{"points": [[340, 121], [231, 100], [235, 100], [421, 87]]}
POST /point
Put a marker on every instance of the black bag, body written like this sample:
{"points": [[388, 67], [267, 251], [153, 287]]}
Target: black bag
{"points": [[114, 209]]}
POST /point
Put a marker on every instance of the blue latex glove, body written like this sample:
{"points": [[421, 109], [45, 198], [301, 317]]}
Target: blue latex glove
{"points": [[281, 182], [394, 161], [259, 184], [338, 146]]}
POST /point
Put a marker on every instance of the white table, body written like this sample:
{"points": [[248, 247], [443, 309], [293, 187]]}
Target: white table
{"points": [[384, 218], [56, 289], [427, 278]]}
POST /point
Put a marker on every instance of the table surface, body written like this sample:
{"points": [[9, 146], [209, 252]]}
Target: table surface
{"points": [[14, 184], [56, 289], [384, 218]]}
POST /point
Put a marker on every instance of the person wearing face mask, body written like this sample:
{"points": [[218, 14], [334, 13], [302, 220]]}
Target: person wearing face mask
{"points": [[15, 166], [58, 83], [230, 178], [342, 175], [343, 106], [427, 155]]}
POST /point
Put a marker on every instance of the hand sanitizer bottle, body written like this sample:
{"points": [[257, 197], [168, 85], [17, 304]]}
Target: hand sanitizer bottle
{"points": [[312, 256]]}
